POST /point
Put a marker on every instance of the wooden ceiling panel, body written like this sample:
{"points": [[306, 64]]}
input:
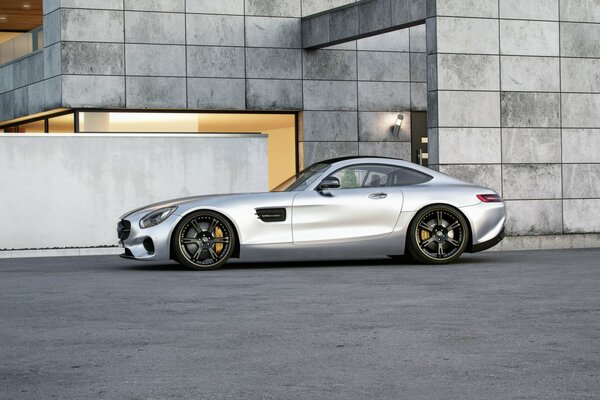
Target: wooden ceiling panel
{"points": [[20, 15]]}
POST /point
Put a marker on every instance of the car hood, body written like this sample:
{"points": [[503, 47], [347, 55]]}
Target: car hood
{"points": [[178, 202]]}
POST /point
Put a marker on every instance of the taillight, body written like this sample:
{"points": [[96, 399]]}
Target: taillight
{"points": [[490, 198]]}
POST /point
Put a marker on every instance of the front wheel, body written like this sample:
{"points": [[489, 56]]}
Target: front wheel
{"points": [[204, 240], [438, 235]]}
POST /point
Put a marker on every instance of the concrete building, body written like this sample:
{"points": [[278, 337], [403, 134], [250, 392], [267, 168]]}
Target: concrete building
{"points": [[505, 93]]}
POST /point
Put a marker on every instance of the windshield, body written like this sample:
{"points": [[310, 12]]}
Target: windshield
{"points": [[303, 179]]}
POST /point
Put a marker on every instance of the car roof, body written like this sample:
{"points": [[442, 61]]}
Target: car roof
{"points": [[338, 159]]}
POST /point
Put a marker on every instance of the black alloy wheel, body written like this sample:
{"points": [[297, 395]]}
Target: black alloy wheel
{"points": [[438, 235], [204, 240]]}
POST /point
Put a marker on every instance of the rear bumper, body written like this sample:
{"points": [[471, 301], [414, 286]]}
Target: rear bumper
{"points": [[487, 244]]}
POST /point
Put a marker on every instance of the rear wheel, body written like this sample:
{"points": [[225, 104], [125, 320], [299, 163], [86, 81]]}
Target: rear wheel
{"points": [[438, 235], [204, 240]]}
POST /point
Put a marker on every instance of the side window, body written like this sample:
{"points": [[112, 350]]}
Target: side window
{"points": [[407, 177], [371, 176]]}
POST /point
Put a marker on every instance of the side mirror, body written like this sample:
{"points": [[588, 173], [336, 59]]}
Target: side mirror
{"points": [[329, 183]]}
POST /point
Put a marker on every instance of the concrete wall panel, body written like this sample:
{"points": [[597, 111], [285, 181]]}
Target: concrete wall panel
{"points": [[330, 95], [469, 146], [274, 8], [93, 4], [330, 65], [469, 109], [273, 32], [273, 63], [273, 94], [418, 96], [580, 75], [467, 35], [581, 145], [530, 110], [7, 106], [579, 213], [418, 39], [529, 9], [215, 62], [531, 146], [154, 92], [541, 74], [90, 26], [392, 149], [329, 126], [155, 60], [155, 28], [580, 110], [93, 91], [87, 58], [36, 98], [418, 67], [216, 94], [580, 40], [532, 181], [383, 66], [235, 7], [155, 5], [533, 38], [215, 30], [486, 175], [534, 217], [383, 96], [580, 10], [6, 78], [468, 8], [468, 72], [581, 181], [52, 61], [21, 101]]}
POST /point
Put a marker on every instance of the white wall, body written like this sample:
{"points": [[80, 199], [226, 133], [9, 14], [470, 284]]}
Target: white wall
{"points": [[69, 191]]}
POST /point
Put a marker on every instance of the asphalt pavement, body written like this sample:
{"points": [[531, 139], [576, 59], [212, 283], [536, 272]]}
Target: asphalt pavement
{"points": [[513, 325]]}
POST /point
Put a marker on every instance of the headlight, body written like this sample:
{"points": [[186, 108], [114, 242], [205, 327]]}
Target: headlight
{"points": [[156, 217]]}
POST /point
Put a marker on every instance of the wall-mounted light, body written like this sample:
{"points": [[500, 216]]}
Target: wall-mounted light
{"points": [[26, 5], [398, 124], [2, 18]]}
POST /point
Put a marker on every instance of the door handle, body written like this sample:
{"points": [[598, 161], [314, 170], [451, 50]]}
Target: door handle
{"points": [[377, 196]]}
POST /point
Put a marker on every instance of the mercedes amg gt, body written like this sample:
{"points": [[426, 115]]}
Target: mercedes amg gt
{"points": [[345, 207]]}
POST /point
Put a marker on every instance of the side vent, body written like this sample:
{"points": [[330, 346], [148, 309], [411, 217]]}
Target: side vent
{"points": [[271, 214]]}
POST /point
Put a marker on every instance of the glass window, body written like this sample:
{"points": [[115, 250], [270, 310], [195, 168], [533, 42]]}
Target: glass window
{"points": [[61, 124], [375, 175], [33, 127]]}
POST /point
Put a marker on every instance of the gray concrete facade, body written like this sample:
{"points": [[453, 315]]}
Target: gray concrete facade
{"points": [[513, 96], [232, 55], [512, 88]]}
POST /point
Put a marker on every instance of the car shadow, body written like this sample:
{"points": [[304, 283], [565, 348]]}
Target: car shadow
{"points": [[233, 265]]}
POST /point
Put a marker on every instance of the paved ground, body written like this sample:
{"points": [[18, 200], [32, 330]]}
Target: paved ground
{"points": [[520, 325]]}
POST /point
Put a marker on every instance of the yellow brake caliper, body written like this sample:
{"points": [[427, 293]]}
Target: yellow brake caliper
{"points": [[218, 246], [425, 234]]}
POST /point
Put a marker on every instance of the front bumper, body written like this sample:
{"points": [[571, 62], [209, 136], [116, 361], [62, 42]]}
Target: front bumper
{"points": [[149, 244]]}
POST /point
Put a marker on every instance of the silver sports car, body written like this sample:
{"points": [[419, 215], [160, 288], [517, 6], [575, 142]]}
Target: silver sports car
{"points": [[355, 206]]}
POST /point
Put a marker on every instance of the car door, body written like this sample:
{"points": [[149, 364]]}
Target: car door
{"points": [[363, 208]]}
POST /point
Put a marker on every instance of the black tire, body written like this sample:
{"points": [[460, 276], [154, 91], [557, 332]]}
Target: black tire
{"points": [[203, 240], [438, 234]]}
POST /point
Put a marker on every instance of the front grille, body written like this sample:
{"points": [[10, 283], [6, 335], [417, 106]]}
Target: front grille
{"points": [[123, 229]]}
